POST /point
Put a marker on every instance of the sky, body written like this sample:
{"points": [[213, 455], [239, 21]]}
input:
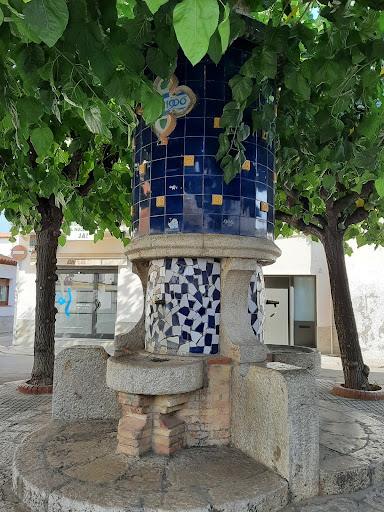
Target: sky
{"points": [[4, 224]]}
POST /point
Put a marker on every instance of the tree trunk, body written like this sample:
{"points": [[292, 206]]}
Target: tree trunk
{"points": [[46, 264], [355, 371]]}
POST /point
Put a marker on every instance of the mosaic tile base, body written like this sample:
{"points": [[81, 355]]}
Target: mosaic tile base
{"points": [[256, 303], [183, 306]]}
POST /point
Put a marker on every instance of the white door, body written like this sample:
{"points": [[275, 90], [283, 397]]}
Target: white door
{"points": [[276, 321]]}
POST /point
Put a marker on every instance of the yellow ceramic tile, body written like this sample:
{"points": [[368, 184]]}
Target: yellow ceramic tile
{"points": [[217, 200], [246, 165], [263, 135], [141, 168], [274, 178], [133, 143], [189, 160], [275, 109], [160, 202], [264, 206], [131, 210], [216, 122]]}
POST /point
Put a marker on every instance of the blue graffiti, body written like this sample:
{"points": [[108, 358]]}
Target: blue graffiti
{"points": [[67, 299]]}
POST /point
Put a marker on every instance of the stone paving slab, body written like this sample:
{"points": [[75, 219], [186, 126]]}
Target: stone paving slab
{"points": [[22, 414], [74, 466]]}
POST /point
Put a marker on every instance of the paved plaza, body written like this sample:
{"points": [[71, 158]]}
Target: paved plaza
{"points": [[351, 445]]}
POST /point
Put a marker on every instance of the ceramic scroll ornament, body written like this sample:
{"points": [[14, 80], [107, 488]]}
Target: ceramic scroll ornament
{"points": [[178, 99]]}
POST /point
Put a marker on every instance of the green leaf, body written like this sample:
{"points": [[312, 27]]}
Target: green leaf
{"points": [[152, 104], [159, 64], [243, 132], [1, 16], [214, 49], [241, 87], [268, 63], [329, 182], [42, 139], [195, 22], [297, 83], [379, 185], [224, 146], [62, 239], [47, 18], [225, 28], [94, 121], [30, 110], [154, 5], [231, 116]]}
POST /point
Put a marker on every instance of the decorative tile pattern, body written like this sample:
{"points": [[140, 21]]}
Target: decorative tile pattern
{"points": [[256, 303], [182, 308], [185, 171]]}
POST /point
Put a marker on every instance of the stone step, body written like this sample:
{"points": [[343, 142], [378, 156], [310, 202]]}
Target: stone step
{"points": [[67, 467]]}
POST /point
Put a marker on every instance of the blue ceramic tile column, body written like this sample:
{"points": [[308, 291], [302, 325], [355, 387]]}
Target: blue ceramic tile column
{"points": [[179, 189]]}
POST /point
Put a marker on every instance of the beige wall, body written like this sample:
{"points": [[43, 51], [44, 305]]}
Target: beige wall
{"points": [[78, 254]]}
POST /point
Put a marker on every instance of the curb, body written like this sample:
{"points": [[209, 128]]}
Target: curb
{"points": [[31, 389], [357, 394]]}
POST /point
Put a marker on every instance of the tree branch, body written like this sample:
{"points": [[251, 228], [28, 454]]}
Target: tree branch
{"points": [[344, 202], [356, 217], [108, 160], [72, 168], [299, 224]]}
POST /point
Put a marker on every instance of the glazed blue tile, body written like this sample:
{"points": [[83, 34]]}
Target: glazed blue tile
{"points": [[135, 227], [192, 223], [261, 173], [158, 187], [247, 226], [261, 228], [261, 191], [213, 185], [146, 153], [270, 195], [175, 147], [181, 67], [212, 223], [158, 169], [197, 168], [259, 214], [158, 151], [270, 160], [156, 225], [270, 236], [211, 167], [233, 187], [211, 146], [194, 127], [213, 71], [231, 205], [173, 224], [173, 205], [198, 110], [210, 130], [208, 340], [230, 69], [196, 350], [197, 87], [208, 207], [215, 90], [230, 225], [247, 207], [143, 205], [136, 195], [194, 146], [192, 204], [214, 108], [179, 130], [174, 166], [174, 185], [144, 190], [271, 214], [135, 212], [193, 184], [146, 136], [156, 210], [215, 349], [262, 156], [270, 179], [137, 158], [248, 188]]}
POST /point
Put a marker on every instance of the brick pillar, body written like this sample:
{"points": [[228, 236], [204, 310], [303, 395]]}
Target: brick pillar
{"points": [[135, 426], [169, 431]]}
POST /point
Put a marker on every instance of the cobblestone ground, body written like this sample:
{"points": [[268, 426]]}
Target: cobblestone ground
{"points": [[22, 414], [19, 416]]}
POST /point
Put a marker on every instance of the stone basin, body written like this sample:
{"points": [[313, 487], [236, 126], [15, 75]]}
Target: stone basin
{"points": [[143, 373], [303, 357]]}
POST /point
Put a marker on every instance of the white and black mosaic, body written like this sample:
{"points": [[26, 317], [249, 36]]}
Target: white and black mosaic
{"points": [[256, 303], [183, 306]]}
